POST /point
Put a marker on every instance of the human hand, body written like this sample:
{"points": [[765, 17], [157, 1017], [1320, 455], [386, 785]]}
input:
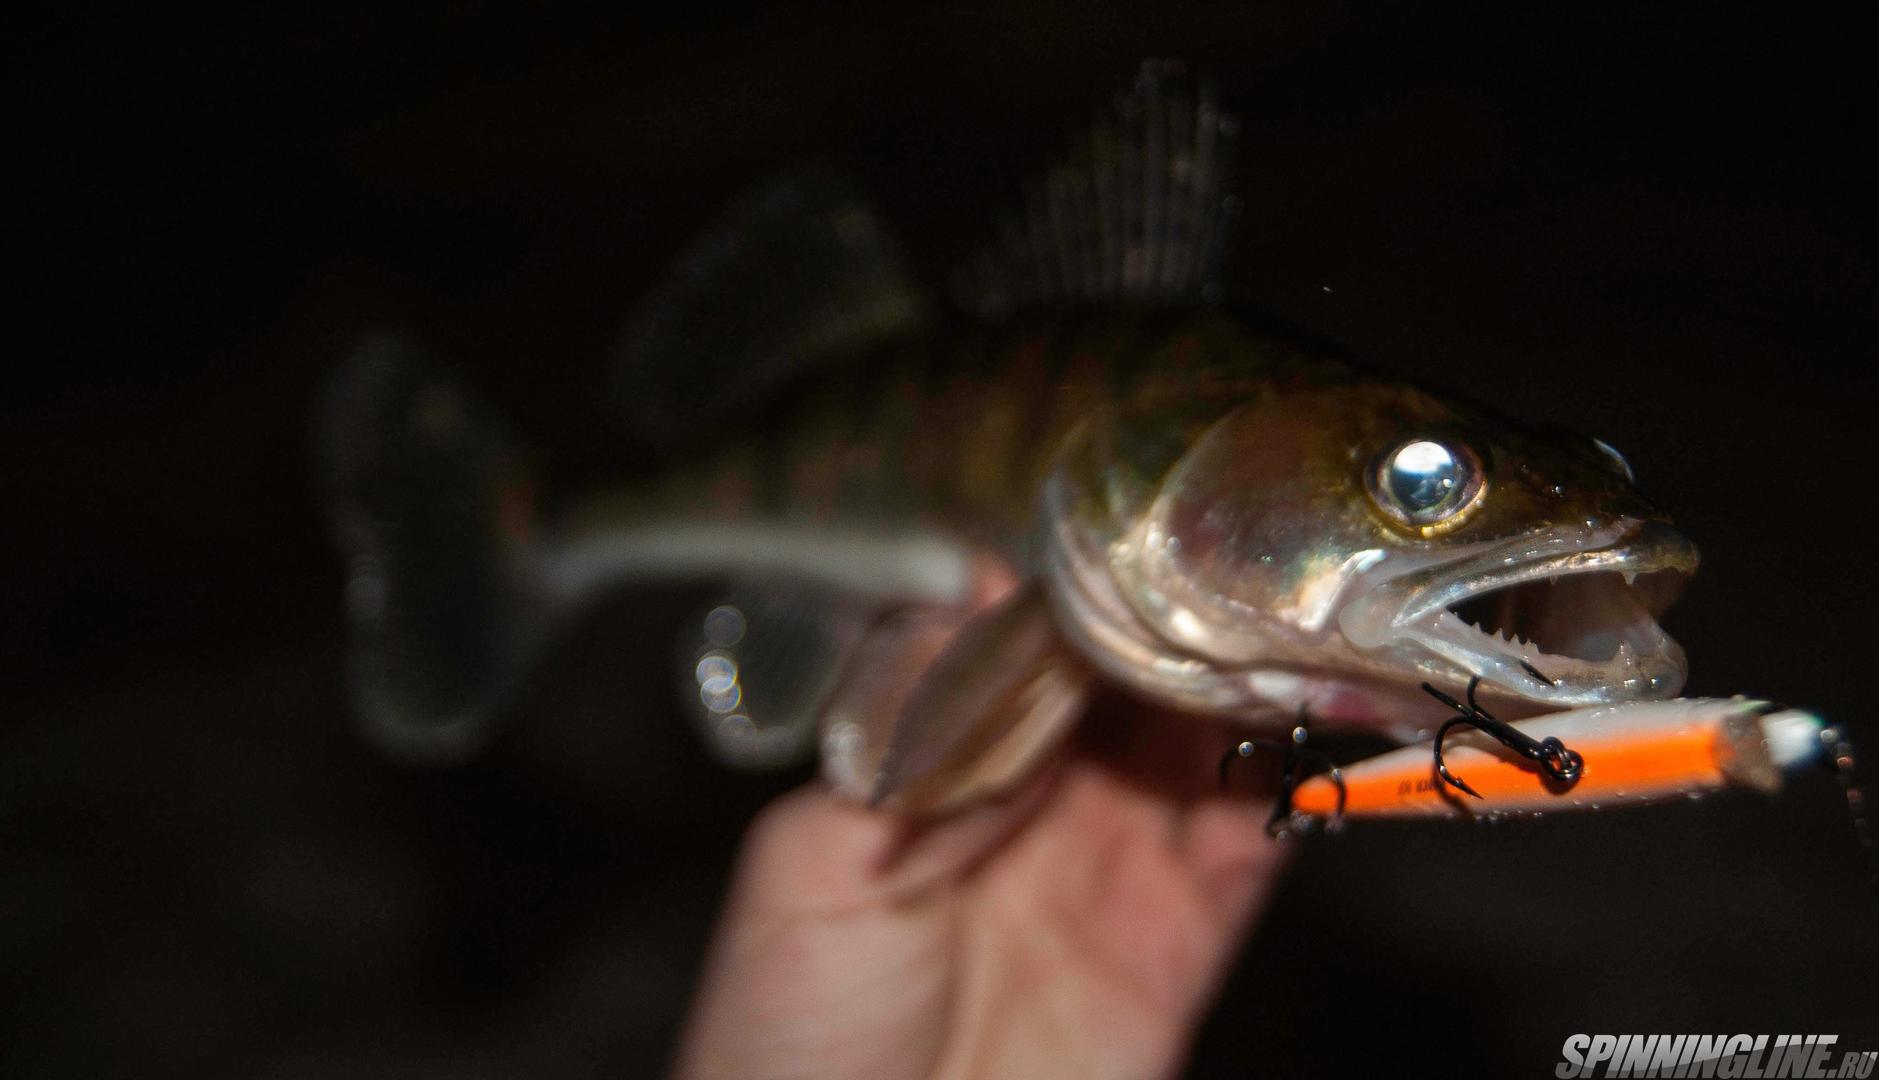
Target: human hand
{"points": [[1079, 928]]}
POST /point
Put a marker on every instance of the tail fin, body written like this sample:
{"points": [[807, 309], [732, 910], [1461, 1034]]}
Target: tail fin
{"points": [[432, 507]]}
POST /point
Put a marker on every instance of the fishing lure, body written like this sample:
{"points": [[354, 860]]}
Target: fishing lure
{"points": [[1637, 753], [937, 526]]}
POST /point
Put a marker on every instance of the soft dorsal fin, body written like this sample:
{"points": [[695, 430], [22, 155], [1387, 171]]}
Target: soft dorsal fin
{"points": [[1137, 210], [797, 269]]}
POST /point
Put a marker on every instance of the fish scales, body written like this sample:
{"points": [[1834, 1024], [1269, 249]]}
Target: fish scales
{"points": [[1181, 502], [952, 431]]}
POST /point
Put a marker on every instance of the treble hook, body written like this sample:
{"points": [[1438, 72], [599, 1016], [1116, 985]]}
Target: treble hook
{"points": [[1295, 752], [1558, 762]]}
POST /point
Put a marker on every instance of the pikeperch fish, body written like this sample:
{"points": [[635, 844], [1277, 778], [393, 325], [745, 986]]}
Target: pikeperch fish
{"points": [[938, 524]]}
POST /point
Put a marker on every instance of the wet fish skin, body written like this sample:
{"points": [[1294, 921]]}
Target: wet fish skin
{"points": [[1215, 515], [1051, 446]]}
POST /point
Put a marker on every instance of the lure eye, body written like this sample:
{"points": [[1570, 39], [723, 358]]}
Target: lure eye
{"points": [[1617, 460], [1427, 484]]}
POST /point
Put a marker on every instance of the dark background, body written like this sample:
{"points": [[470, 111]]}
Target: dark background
{"points": [[1642, 222]]}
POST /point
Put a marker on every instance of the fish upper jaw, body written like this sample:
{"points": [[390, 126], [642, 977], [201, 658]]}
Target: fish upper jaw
{"points": [[1560, 617]]}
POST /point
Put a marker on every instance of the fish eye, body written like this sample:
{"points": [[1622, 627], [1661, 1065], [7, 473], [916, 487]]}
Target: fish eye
{"points": [[1427, 484], [1617, 459]]}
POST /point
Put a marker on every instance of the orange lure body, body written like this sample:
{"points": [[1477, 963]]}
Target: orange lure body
{"points": [[1636, 753]]}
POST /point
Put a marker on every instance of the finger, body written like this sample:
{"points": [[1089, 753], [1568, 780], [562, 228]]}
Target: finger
{"points": [[815, 852], [1218, 831], [1235, 863]]}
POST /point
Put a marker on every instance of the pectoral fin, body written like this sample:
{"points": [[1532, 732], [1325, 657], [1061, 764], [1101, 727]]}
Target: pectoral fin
{"points": [[994, 700]]}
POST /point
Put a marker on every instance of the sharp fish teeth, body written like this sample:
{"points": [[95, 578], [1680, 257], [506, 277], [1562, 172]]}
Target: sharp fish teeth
{"points": [[1631, 577]]}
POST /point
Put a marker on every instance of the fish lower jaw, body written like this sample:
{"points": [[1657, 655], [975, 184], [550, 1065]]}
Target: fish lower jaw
{"points": [[1561, 629], [1645, 663]]}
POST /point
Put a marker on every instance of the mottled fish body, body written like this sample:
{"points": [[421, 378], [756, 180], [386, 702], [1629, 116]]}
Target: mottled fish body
{"points": [[954, 430], [936, 530]]}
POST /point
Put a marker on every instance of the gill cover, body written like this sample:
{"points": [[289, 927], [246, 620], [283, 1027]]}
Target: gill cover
{"points": [[1250, 538], [1368, 529]]}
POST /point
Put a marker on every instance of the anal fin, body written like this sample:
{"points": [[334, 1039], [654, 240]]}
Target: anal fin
{"points": [[921, 707], [761, 664]]}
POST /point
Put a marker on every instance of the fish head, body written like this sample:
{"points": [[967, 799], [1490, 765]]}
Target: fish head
{"points": [[1373, 534]]}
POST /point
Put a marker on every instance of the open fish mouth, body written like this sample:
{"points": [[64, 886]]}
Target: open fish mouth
{"points": [[1566, 627]]}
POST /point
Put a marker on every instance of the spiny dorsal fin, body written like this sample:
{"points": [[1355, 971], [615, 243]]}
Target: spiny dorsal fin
{"points": [[797, 269], [1136, 211]]}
